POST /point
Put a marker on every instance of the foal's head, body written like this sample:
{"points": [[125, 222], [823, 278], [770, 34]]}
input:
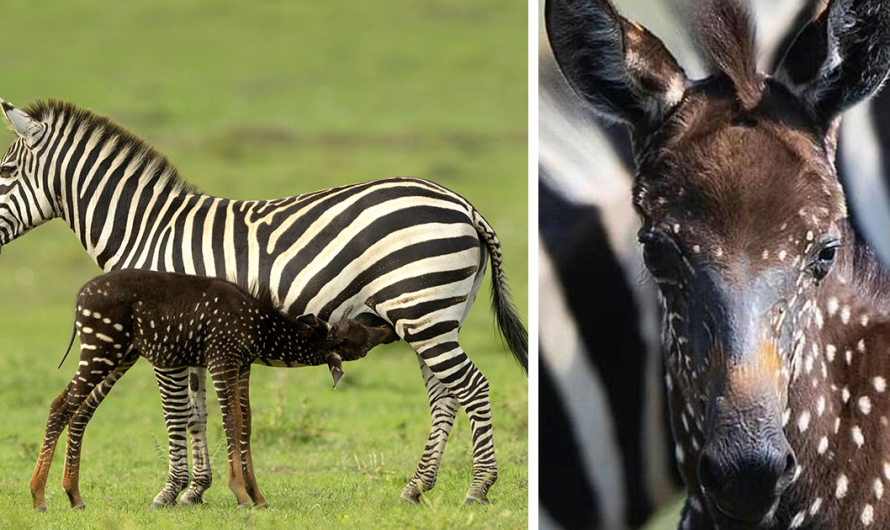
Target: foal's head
{"points": [[741, 212]]}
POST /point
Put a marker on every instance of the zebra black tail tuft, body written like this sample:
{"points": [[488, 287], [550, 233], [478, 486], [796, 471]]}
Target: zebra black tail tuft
{"points": [[501, 301], [508, 319]]}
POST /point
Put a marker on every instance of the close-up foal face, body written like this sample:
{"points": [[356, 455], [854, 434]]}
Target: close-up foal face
{"points": [[742, 219], [739, 274]]}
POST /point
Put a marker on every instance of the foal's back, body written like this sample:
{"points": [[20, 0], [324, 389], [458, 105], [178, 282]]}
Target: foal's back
{"points": [[181, 320]]}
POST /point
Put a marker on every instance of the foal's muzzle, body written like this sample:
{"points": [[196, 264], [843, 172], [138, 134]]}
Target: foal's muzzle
{"points": [[743, 484]]}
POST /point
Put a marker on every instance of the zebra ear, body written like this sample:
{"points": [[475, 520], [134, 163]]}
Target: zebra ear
{"points": [[840, 58], [22, 124], [617, 66]]}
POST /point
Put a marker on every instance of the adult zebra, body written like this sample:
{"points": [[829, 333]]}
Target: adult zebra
{"points": [[403, 252]]}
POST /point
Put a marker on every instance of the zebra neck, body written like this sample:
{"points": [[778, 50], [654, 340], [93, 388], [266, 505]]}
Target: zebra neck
{"points": [[121, 224]]}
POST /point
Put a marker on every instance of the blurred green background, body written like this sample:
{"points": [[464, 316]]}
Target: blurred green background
{"points": [[255, 100]]}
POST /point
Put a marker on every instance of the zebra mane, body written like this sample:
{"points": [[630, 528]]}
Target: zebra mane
{"points": [[262, 294], [164, 170]]}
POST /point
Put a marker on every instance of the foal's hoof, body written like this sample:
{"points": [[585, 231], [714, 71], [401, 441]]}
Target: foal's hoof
{"points": [[40, 509], [263, 505], [245, 506], [80, 507]]}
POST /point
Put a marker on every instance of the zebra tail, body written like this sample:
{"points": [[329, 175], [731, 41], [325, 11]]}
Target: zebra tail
{"points": [[70, 343], [502, 305]]}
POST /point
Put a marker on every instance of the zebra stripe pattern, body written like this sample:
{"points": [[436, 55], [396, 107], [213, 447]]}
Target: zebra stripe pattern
{"points": [[403, 252]]}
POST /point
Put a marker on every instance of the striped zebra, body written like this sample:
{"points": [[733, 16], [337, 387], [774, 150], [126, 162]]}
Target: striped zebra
{"points": [[603, 434], [401, 252]]}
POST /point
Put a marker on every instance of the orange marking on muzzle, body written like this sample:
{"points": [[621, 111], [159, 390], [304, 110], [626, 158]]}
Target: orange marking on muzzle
{"points": [[761, 370]]}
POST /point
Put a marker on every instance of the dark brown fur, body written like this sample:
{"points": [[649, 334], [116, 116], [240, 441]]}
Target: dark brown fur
{"points": [[776, 321]]}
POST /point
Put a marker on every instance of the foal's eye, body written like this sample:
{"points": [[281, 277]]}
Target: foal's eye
{"points": [[659, 254], [824, 259]]}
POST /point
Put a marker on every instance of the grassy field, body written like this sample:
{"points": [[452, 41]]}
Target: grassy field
{"points": [[263, 100]]}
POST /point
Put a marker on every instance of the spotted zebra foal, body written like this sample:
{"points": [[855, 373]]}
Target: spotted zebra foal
{"points": [[776, 319], [176, 320]]}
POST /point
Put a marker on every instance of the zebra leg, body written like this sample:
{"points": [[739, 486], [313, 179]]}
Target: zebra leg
{"points": [[246, 455], [225, 381], [59, 414], [77, 425], [443, 411], [459, 375], [202, 476], [173, 386]]}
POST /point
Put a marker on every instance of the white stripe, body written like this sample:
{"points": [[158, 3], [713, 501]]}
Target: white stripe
{"points": [[581, 390], [866, 189]]}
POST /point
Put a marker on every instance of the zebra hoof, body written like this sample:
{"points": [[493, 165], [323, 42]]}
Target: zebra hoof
{"points": [[261, 506], [410, 497], [245, 506], [476, 500], [156, 505], [191, 500], [80, 507], [40, 509]]}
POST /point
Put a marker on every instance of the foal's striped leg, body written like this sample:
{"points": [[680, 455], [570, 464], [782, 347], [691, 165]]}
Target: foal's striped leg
{"points": [[454, 370], [443, 411], [77, 424]]}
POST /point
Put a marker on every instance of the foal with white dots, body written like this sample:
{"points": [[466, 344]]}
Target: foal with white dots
{"points": [[775, 318], [176, 320]]}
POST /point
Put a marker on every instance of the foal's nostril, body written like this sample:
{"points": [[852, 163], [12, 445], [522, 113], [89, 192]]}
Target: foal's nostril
{"points": [[787, 476], [708, 473], [745, 484]]}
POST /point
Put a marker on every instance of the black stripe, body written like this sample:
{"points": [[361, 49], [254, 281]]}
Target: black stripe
{"points": [[240, 242], [51, 147], [218, 237], [91, 160], [76, 154], [418, 283], [103, 204], [121, 214], [456, 376], [598, 295], [135, 245], [431, 332], [197, 235], [416, 311], [390, 262], [571, 500], [179, 234], [374, 231]]}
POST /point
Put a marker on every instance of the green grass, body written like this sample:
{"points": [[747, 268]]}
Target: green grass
{"points": [[264, 100], [668, 518]]}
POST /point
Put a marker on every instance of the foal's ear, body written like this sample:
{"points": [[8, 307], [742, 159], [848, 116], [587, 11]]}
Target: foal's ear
{"points": [[840, 58], [623, 71], [312, 326]]}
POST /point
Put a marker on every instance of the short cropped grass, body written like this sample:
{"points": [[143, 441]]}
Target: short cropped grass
{"points": [[262, 100]]}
